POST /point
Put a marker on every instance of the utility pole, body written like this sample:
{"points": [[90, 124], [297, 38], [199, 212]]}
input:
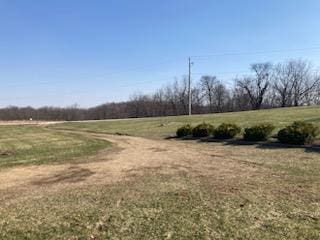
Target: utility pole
{"points": [[189, 89]]}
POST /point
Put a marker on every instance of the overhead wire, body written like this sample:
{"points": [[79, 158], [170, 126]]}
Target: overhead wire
{"points": [[148, 66]]}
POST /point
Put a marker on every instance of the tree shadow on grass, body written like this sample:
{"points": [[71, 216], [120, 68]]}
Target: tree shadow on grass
{"points": [[315, 147], [228, 141], [186, 138], [274, 144], [270, 144]]}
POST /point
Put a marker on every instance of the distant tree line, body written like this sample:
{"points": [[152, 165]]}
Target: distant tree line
{"points": [[286, 84]]}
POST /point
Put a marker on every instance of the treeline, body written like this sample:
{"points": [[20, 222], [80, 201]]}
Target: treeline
{"points": [[291, 83]]}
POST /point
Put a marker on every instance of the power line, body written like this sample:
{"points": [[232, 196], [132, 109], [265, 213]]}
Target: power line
{"points": [[255, 53], [103, 77], [145, 67], [82, 92], [44, 83], [168, 61], [130, 85]]}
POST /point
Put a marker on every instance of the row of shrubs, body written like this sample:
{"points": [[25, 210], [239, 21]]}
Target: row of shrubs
{"points": [[298, 133]]}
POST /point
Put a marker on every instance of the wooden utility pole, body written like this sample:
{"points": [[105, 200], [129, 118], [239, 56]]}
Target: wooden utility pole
{"points": [[189, 85]]}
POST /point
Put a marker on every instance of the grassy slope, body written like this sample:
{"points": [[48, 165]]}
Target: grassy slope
{"points": [[264, 193], [164, 126], [37, 145], [254, 199]]}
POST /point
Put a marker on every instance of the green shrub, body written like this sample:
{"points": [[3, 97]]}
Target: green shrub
{"points": [[226, 131], [183, 131], [202, 130], [259, 132], [298, 133]]}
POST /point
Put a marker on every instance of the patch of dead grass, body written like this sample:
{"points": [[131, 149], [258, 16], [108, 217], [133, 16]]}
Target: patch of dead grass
{"points": [[190, 191]]}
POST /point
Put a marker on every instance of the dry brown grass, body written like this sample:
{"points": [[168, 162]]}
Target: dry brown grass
{"points": [[166, 189], [27, 122]]}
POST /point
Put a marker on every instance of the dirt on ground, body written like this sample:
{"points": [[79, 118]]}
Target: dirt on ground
{"points": [[225, 188], [27, 122], [130, 156]]}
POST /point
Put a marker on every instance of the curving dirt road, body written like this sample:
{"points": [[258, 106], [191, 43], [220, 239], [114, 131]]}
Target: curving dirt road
{"points": [[175, 188], [130, 156]]}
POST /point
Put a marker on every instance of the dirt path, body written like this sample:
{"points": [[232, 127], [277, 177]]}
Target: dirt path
{"points": [[28, 122], [133, 156]]}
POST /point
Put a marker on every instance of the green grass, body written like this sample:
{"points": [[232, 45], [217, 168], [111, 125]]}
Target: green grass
{"points": [[223, 192], [164, 126], [179, 206], [37, 145]]}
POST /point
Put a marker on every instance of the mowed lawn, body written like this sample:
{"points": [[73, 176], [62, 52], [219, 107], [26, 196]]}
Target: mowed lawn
{"points": [[182, 189], [21, 145], [164, 126]]}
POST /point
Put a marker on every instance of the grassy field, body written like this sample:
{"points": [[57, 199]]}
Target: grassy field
{"points": [[164, 126], [37, 145], [176, 206], [152, 188], [231, 192]]}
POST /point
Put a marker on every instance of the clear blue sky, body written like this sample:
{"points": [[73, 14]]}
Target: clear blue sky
{"points": [[62, 52]]}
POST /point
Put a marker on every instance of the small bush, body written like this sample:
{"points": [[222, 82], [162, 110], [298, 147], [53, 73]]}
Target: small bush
{"points": [[202, 130], [183, 131], [260, 132], [226, 131], [298, 133]]}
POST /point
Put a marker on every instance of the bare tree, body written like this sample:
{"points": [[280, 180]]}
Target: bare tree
{"points": [[316, 96], [197, 100], [240, 99], [294, 83], [207, 84], [283, 82], [256, 86], [304, 81], [221, 96], [161, 103], [180, 91]]}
